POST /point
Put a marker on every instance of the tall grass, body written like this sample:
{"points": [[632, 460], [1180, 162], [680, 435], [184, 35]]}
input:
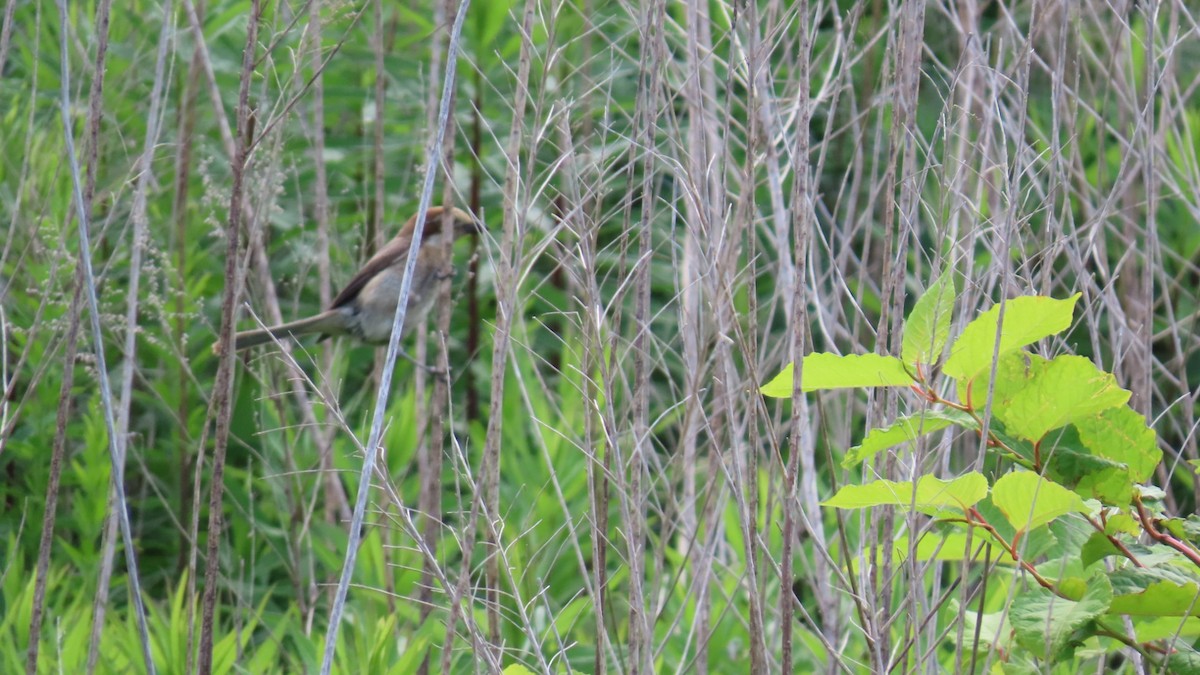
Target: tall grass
{"points": [[681, 198]]}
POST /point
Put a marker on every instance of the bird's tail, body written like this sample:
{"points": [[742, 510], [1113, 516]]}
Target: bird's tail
{"points": [[330, 322]]}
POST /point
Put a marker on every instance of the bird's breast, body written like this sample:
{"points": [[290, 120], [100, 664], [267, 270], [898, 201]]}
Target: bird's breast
{"points": [[376, 303]]}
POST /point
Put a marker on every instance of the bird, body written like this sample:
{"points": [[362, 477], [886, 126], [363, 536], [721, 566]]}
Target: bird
{"points": [[366, 307]]}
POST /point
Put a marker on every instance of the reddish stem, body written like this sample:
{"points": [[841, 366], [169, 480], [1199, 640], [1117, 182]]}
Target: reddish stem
{"points": [[1120, 546], [1162, 537], [978, 520]]}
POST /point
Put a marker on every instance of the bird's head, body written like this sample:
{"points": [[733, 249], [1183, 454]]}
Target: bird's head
{"points": [[436, 220]]}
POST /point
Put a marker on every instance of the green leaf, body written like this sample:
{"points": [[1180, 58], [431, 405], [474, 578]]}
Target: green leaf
{"points": [[1070, 463], [1097, 547], [1136, 579], [1122, 523], [1014, 370], [1029, 501], [823, 370], [903, 430], [1161, 598], [1163, 590], [1019, 446], [1166, 627], [1152, 493], [1183, 660], [1111, 486], [1121, 435], [1103, 456], [950, 546], [1034, 544], [1066, 389], [928, 326], [1187, 528], [1026, 320], [932, 495], [1046, 624], [1068, 460]]}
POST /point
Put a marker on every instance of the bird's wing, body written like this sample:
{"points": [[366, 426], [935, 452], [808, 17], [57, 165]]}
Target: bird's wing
{"points": [[392, 252]]}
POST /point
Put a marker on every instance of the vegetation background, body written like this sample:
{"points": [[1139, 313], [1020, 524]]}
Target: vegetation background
{"points": [[680, 198]]}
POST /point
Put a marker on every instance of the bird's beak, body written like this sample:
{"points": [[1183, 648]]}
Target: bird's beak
{"points": [[465, 224]]}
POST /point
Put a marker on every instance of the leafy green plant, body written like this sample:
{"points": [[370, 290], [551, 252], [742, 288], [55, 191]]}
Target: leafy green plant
{"points": [[1095, 561]]}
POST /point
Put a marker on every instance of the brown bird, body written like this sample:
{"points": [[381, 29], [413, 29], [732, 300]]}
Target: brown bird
{"points": [[366, 307]]}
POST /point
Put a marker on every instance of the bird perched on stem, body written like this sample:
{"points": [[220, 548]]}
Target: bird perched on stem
{"points": [[366, 307]]}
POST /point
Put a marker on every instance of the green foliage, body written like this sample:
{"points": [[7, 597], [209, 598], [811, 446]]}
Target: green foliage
{"points": [[904, 430], [1078, 456], [928, 326], [930, 495], [1051, 627], [1026, 320], [834, 371], [1029, 501], [1093, 191]]}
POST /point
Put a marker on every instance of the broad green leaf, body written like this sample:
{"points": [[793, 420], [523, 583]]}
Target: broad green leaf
{"points": [[1163, 589], [928, 325], [1122, 523], [1158, 568], [1014, 370], [1032, 544], [903, 430], [1151, 493], [1103, 456], [949, 543], [1026, 320], [1111, 486], [1018, 662], [1183, 660], [1066, 389], [931, 494], [1029, 501], [1046, 624], [517, 669], [1097, 547], [1121, 435], [958, 493], [823, 370], [1184, 528], [1019, 446], [1160, 598], [952, 546], [1164, 628], [1068, 461]]}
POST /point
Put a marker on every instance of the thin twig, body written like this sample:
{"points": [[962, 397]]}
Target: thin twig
{"points": [[106, 397], [433, 151]]}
